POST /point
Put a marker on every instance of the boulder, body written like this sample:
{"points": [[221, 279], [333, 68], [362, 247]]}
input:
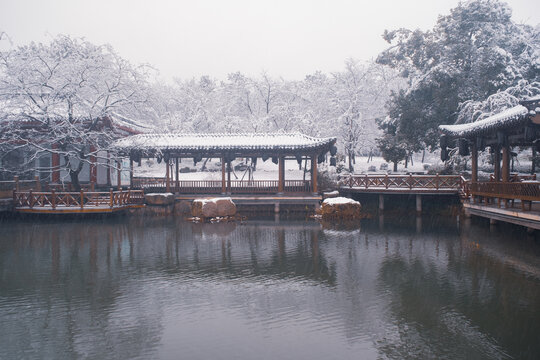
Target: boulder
{"points": [[341, 207], [225, 206], [157, 199], [214, 207]]}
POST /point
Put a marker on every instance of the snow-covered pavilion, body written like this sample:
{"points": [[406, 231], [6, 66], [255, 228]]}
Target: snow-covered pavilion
{"points": [[516, 126], [275, 146]]}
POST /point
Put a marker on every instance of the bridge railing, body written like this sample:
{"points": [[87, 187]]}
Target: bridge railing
{"points": [[83, 199], [405, 181], [215, 186]]}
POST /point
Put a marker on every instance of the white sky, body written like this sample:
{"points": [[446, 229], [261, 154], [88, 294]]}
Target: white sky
{"points": [[187, 39]]}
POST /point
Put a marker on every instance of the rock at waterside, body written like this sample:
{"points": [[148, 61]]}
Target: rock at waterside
{"points": [[341, 207], [215, 207], [159, 199]]}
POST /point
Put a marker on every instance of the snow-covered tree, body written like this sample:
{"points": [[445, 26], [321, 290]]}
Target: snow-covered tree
{"points": [[61, 97], [470, 54]]}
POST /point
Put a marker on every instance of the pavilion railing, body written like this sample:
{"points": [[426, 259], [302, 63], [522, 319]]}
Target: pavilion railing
{"points": [[215, 186], [526, 192], [83, 199]]}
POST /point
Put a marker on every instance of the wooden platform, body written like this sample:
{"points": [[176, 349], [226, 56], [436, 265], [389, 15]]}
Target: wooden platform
{"points": [[513, 215], [77, 210]]}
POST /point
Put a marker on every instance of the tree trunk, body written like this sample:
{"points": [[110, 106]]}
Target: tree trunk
{"points": [[74, 175], [351, 168], [406, 161], [395, 166], [423, 155]]}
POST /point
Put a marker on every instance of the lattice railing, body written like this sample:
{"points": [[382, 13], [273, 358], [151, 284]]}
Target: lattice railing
{"points": [[83, 199], [405, 181]]}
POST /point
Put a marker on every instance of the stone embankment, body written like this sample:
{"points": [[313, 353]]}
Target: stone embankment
{"points": [[213, 208]]}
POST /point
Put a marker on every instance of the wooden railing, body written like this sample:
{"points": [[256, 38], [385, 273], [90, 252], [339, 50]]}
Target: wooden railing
{"points": [[215, 186], [516, 177], [526, 192], [83, 200], [436, 182]]}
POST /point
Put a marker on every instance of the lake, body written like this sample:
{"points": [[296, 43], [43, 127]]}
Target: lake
{"points": [[392, 288]]}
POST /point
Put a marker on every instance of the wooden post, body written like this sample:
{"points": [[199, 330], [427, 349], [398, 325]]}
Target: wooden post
{"points": [[130, 172], [38, 184], [53, 199], [229, 188], [109, 169], [474, 163], [167, 178], [82, 199], [497, 163], [506, 163], [17, 185], [177, 172], [119, 175], [111, 198], [437, 181], [281, 171], [30, 199], [315, 187], [223, 183]]}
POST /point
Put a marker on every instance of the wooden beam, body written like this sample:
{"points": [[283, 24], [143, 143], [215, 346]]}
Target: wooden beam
{"points": [[55, 164], [131, 173], [229, 176]]}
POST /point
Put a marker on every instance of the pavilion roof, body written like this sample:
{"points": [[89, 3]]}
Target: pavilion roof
{"points": [[252, 143], [508, 118]]}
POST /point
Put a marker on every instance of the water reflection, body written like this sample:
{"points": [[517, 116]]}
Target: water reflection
{"points": [[144, 288]]}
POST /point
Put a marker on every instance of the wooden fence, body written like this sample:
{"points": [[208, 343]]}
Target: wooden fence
{"points": [[83, 199], [526, 192]]}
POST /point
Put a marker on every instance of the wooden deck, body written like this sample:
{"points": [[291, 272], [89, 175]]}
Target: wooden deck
{"points": [[514, 215]]}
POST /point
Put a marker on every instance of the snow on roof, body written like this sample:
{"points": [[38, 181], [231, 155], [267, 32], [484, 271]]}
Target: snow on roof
{"points": [[130, 124], [505, 118], [222, 142]]}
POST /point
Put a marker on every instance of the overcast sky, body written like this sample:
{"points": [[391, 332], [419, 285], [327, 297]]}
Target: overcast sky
{"points": [[187, 39]]}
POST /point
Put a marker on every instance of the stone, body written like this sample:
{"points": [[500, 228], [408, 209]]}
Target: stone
{"points": [[182, 207], [225, 207], [159, 199], [341, 207], [214, 207]]}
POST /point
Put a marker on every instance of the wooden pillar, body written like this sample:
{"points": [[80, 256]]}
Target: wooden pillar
{"points": [[474, 163], [55, 164], [418, 204], [229, 188], [281, 171], [506, 163], [314, 185], [497, 163], [119, 174], [109, 184], [177, 171], [223, 183], [167, 177], [381, 202], [131, 173]]}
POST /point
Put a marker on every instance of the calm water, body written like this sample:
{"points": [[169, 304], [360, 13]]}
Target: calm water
{"points": [[132, 289]]}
